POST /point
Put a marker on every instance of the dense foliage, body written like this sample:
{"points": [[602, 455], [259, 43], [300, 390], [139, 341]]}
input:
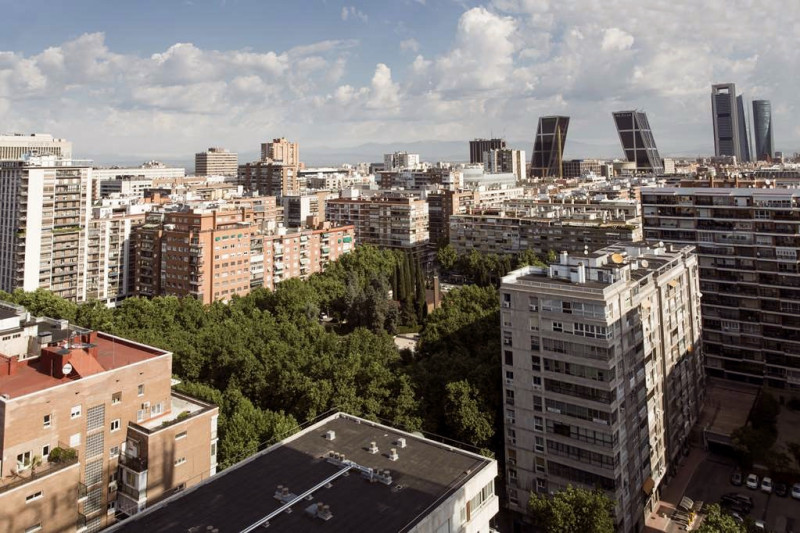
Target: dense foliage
{"points": [[485, 269], [573, 509], [270, 363]]}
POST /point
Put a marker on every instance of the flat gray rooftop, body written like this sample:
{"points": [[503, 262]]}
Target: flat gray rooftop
{"points": [[424, 475]]}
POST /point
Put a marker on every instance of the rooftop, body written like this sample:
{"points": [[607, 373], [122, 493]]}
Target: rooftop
{"points": [[425, 473], [112, 353]]}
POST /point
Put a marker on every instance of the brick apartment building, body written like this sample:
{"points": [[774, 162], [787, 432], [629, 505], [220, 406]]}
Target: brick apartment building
{"points": [[90, 428]]}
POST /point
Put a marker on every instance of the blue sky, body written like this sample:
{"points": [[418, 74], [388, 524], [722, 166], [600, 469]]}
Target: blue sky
{"points": [[166, 78]]}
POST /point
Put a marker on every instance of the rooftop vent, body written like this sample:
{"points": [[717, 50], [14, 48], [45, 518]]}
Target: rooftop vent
{"points": [[393, 455], [330, 434], [373, 447], [401, 442]]}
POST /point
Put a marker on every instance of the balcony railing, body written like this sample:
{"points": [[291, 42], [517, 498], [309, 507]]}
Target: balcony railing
{"points": [[137, 464], [32, 473]]}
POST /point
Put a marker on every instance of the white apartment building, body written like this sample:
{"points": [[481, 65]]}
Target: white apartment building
{"points": [[44, 218], [602, 373], [400, 160], [16, 145]]}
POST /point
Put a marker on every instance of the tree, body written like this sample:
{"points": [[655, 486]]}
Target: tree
{"points": [[716, 521], [467, 417], [447, 257], [752, 445], [765, 411], [573, 509]]}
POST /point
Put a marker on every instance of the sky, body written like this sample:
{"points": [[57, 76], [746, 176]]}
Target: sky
{"points": [[136, 80]]}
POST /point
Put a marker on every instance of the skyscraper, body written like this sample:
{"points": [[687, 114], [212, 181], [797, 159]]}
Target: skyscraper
{"points": [[548, 147], [730, 122], [216, 162], [478, 146], [762, 129], [637, 140]]}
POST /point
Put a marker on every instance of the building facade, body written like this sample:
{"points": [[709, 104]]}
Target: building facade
{"points": [[748, 247], [200, 253], [386, 221], [268, 178], [762, 130], [281, 151], [477, 147], [400, 160], [16, 145], [602, 373], [45, 213], [91, 429], [216, 162], [548, 146], [730, 123], [637, 141], [499, 161]]}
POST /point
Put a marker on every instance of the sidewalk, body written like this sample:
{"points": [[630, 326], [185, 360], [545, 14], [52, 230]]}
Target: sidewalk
{"points": [[671, 495]]}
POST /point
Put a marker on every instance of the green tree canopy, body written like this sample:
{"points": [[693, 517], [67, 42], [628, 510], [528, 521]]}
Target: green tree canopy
{"points": [[573, 509], [716, 521]]}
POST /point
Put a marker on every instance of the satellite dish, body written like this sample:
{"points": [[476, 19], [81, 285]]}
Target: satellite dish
{"points": [[66, 369], [617, 258], [644, 263]]}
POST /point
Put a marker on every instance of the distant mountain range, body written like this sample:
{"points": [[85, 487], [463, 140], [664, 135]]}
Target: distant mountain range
{"points": [[312, 156]]}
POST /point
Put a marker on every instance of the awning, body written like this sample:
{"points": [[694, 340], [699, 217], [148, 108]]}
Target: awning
{"points": [[649, 485]]}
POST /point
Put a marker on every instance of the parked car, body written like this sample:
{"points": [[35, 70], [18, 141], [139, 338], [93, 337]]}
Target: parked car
{"points": [[737, 502], [752, 481], [781, 490], [766, 485], [796, 491], [736, 478]]}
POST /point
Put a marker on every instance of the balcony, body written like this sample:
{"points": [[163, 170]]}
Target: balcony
{"points": [[59, 460], [137, 464]]}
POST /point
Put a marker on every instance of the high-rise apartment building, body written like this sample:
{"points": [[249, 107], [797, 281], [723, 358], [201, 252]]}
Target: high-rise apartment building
{"points": [[216, 162], [506, 231], [90, 428], [730, 123], [637, 141], [602, 374], [16, 145], [548, 146], [748, 246], [201, 253], [507, 160], [44, 218], [281, 151], [400, 160], [762, 130], [386, 221], [477, 147], [269, 178]]}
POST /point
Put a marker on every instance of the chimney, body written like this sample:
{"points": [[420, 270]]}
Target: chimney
{"points": [[393, 455], [373, 448], [401, 442]]}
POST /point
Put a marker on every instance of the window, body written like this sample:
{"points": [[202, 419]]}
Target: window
{"points": [[180, 460], [509, 375], [506, 338], [539, 461], [181, 435], [115, 425], [535, 343], [537, 381], [538, 424], [536, 363], [116, 398], [509, 397], [75, 412], [23, 460], [537, 403], [157, 409], [95, 417], [533, 304], [539, 444], [33, 497], [45, 451], [114, 452], [141, 390], [558, 326], [48, 421], [509, 357]]}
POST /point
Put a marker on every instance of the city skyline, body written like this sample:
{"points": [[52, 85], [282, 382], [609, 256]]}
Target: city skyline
{"points": [[360, 73]]}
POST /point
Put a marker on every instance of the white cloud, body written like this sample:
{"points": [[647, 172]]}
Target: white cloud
{"points": [[351, 12], [615, 39], [504, 65], [411, 45]]}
